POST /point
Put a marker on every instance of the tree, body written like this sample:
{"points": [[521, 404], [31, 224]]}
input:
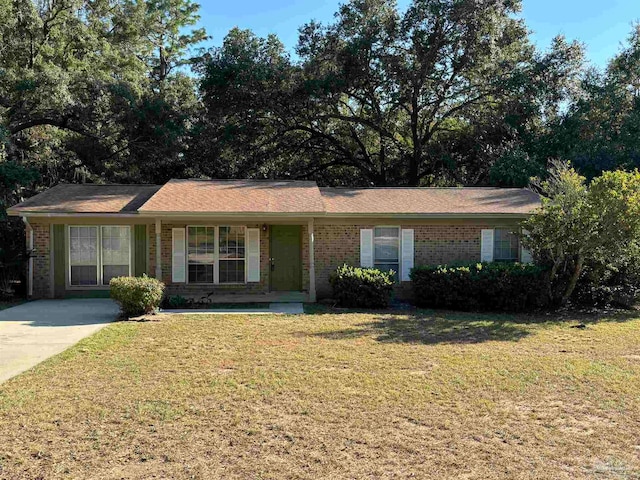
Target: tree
{"points": [[600, 129], [386, 97], [580, 224], [165, 29]]}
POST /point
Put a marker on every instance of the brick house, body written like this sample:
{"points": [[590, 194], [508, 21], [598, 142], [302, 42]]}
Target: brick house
{"points": [[253, 240]]}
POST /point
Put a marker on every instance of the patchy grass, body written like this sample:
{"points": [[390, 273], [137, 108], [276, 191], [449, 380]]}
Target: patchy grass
{"points": [[332, 395]]}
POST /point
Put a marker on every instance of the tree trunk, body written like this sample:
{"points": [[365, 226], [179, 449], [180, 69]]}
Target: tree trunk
{"points": [[574, 279]]}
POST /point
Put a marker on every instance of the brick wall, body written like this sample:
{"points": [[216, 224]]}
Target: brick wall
{"points": [[433, 244], [41, 260]]}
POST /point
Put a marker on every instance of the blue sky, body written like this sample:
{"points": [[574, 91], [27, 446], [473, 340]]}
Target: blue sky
{"points": [[602, 25]]}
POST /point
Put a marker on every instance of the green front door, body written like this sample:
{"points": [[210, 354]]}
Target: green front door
{"points": [[286, 258]]}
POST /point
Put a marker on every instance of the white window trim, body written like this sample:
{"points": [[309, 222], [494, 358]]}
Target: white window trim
{"points": [[99, 285], [216, 255], [399, 228]]}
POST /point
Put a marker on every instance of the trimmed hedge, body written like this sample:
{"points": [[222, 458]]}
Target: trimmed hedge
{"points": [[137, 295], [482, 286], [362, 287]]}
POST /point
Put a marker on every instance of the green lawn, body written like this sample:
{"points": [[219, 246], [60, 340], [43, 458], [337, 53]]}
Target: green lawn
{"points": [[332, 395]]}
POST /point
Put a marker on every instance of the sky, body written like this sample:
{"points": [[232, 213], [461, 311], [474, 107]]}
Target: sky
{"points": [[602, 25]]}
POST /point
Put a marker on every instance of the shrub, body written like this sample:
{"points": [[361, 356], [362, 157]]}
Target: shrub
{"points": [[481, 286], [137, 295], [176, 301], [609, 285], [362, 287]]}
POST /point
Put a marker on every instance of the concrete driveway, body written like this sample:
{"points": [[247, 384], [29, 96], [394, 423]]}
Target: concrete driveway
{"points": [[35, 331]]}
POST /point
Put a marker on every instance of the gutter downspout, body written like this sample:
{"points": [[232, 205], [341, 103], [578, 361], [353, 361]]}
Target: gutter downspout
{"points": [[29, 231], [312, 264]]}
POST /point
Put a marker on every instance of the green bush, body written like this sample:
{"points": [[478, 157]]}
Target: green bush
{"points": [[482, 286], [137, 295], [176, 301], [362, 287]]}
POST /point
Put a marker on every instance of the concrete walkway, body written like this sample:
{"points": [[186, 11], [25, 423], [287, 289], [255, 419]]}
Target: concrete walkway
{"points": [[35, 331], [274, 308]]}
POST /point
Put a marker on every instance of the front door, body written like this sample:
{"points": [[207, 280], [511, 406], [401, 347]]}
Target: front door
{"points": [[286, 258]]}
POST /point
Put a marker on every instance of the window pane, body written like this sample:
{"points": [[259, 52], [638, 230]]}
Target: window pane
{"points": [[231, 242], [231, 271], [506, 245], [111, 271], [200, 273], [201, 246], [84, 275], [115, 246], [386, 245], [83, 246]]}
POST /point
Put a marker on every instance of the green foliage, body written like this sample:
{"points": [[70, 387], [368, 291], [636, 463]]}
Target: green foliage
{"points": [[515, 169], [481, 286], [581, 225], [362, 287], [610, 285], [177, 301], [385, 96], [137, 295]]}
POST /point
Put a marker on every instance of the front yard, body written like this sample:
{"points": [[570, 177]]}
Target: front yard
{"points": [[331, 395]]}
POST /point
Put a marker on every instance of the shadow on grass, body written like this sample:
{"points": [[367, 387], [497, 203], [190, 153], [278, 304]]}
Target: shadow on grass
{"points": [[430, 330], [433, 327]]}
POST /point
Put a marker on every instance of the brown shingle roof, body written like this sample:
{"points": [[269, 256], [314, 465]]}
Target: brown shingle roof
{"points": [[236, 196], [87, 198], [429, 201], [276, 197]]}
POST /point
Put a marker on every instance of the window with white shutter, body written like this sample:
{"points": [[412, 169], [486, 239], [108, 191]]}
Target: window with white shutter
{"points": [[178, 255], [407, 253]]}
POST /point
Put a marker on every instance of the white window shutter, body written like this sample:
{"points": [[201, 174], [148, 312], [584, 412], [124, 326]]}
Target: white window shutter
{"points": [[253, 254], [407, 254], [486, 245], [525, 254], [178, 255], [366, 248]]}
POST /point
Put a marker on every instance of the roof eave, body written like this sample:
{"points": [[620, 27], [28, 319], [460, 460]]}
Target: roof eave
{"points": [[164, 214], [425, 215], [36, 213]]}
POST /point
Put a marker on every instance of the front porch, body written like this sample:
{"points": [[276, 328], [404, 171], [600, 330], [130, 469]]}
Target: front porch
{"points": [[274, 260]]}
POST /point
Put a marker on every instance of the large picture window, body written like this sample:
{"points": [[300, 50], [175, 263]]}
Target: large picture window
{"points": [[201, 254], [505, 245], [216, 254], [97, 254], [386, 249]]}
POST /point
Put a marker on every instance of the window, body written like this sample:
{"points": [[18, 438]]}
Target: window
{"points": [[216, 254], [505, 246], [386, 249], [201, 254], [83, 255], [97, 254], [115, 253], [232, 255]]}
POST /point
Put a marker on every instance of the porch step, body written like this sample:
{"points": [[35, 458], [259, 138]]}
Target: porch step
{"points": [[271, 297]]}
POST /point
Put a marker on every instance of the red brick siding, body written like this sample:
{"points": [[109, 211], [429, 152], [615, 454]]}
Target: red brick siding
{"points": [[433, 244], [41, 260]]}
